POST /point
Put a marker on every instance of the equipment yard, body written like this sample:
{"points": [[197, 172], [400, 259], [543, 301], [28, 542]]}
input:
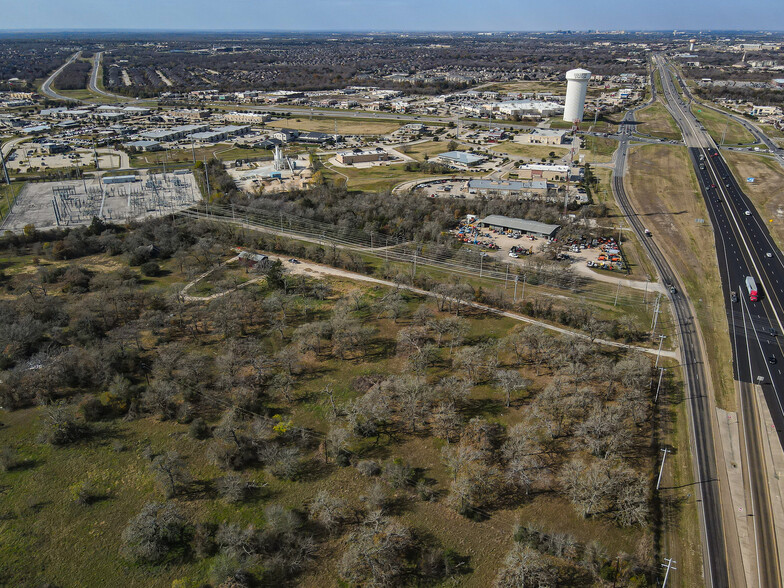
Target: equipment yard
{"points": [[76, 202]]}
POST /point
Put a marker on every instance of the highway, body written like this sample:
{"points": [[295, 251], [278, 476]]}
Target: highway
{"points": [[694, 365], [761, 137], [93, 83], [744, 248], [46, 87]]}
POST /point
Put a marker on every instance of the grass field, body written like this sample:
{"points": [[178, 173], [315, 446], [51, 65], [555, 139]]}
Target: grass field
{"points": [[185, 156], [662, 185], [656, 121], [767, 190], [372, 179], [716, 124], [8, 195], [598, 149], [531, 151], [429, 148], [345, 126]]}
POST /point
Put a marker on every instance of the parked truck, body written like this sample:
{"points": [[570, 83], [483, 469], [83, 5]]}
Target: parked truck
{"points": [[751, 286]]}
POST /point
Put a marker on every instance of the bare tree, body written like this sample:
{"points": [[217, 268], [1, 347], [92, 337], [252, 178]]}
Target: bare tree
{"points": [[510, 381], [376, 552], [327, 510], [171, 473], [153, 533], [525, 567]]}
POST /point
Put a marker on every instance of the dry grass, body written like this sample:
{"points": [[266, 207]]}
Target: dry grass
{"points": [[429, 148], [345, 126], [656, 121], [532, 151], [767, 190], [662, 185]]}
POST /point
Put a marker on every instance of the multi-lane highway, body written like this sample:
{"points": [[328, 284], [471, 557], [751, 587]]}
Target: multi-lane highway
{"points": [[46, 87], [744, 248], [692, 356], [93, 83]]}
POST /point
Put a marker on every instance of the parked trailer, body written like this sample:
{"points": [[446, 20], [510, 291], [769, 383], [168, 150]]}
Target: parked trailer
{"points": [[751, 286]]}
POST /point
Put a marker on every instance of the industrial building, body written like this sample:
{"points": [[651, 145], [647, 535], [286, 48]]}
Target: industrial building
{"points": [[143, 145], [362, 156], [576, 89], [509, 189], [543, 137], [520, 225], [460, 158], [174, 133], [544, 171], [121, 179], [220, 134]]}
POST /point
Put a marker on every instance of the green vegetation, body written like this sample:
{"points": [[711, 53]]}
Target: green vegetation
{"points": [[345, 125], [600, 149], [428, 149], [721, 127], [8, 195], [278, 432]]}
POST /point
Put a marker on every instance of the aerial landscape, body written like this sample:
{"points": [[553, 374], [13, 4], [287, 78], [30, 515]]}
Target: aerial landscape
{"points": [[391, 294]]}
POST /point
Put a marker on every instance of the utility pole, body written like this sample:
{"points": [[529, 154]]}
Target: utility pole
{"points": [[517, 278], [522, 296], [655, 312], [506, 276], [617, 291], [658, 386], [658, 353], [209, 192], [2, 162], [645, 295], [669, 567], [661, 469]]}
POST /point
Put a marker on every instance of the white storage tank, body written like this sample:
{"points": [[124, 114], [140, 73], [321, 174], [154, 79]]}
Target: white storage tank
{"points": [[576, 87]]}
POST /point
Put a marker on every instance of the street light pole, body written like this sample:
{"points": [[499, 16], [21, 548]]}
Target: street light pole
{"points": [[661, 469], [658, 353]]}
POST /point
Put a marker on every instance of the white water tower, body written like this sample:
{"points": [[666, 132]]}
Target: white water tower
{"points": [[691, 44], [576, 87]]}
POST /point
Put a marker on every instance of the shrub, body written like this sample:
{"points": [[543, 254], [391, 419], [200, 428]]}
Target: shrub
{"points": [[152, 534], [368, 467], [199, 429], [150, 269]]}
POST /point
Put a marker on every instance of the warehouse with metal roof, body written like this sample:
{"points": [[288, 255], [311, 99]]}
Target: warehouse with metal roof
{"points": [[460, 158], [521, 225]]}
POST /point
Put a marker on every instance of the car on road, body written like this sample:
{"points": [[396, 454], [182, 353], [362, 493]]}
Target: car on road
{"points": [[768, 254], [733, 296], [747, 213], [513, 254], [772, 359], [294, 261]]}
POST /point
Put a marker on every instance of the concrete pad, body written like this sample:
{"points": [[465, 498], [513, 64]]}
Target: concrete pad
{"points": [[729, 431]]}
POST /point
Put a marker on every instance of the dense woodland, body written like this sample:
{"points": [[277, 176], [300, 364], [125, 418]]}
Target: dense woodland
{"points": [[317, 430], [74, 76]]}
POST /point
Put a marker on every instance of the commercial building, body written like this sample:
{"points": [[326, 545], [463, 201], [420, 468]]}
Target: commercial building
{"points": [[520, 225], [460, 159], [544, 171], [543, 137], [527, 108], [509, 189], [252, 118], [53, 147], [362, 156]]}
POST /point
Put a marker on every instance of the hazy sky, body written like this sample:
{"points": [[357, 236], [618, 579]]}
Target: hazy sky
{"points": [[414, 15]]}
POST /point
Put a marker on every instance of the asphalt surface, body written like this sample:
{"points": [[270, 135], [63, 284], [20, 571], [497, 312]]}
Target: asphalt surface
{"points": [[692, 357], [744, 248], [93, 83], [46, 87]]}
